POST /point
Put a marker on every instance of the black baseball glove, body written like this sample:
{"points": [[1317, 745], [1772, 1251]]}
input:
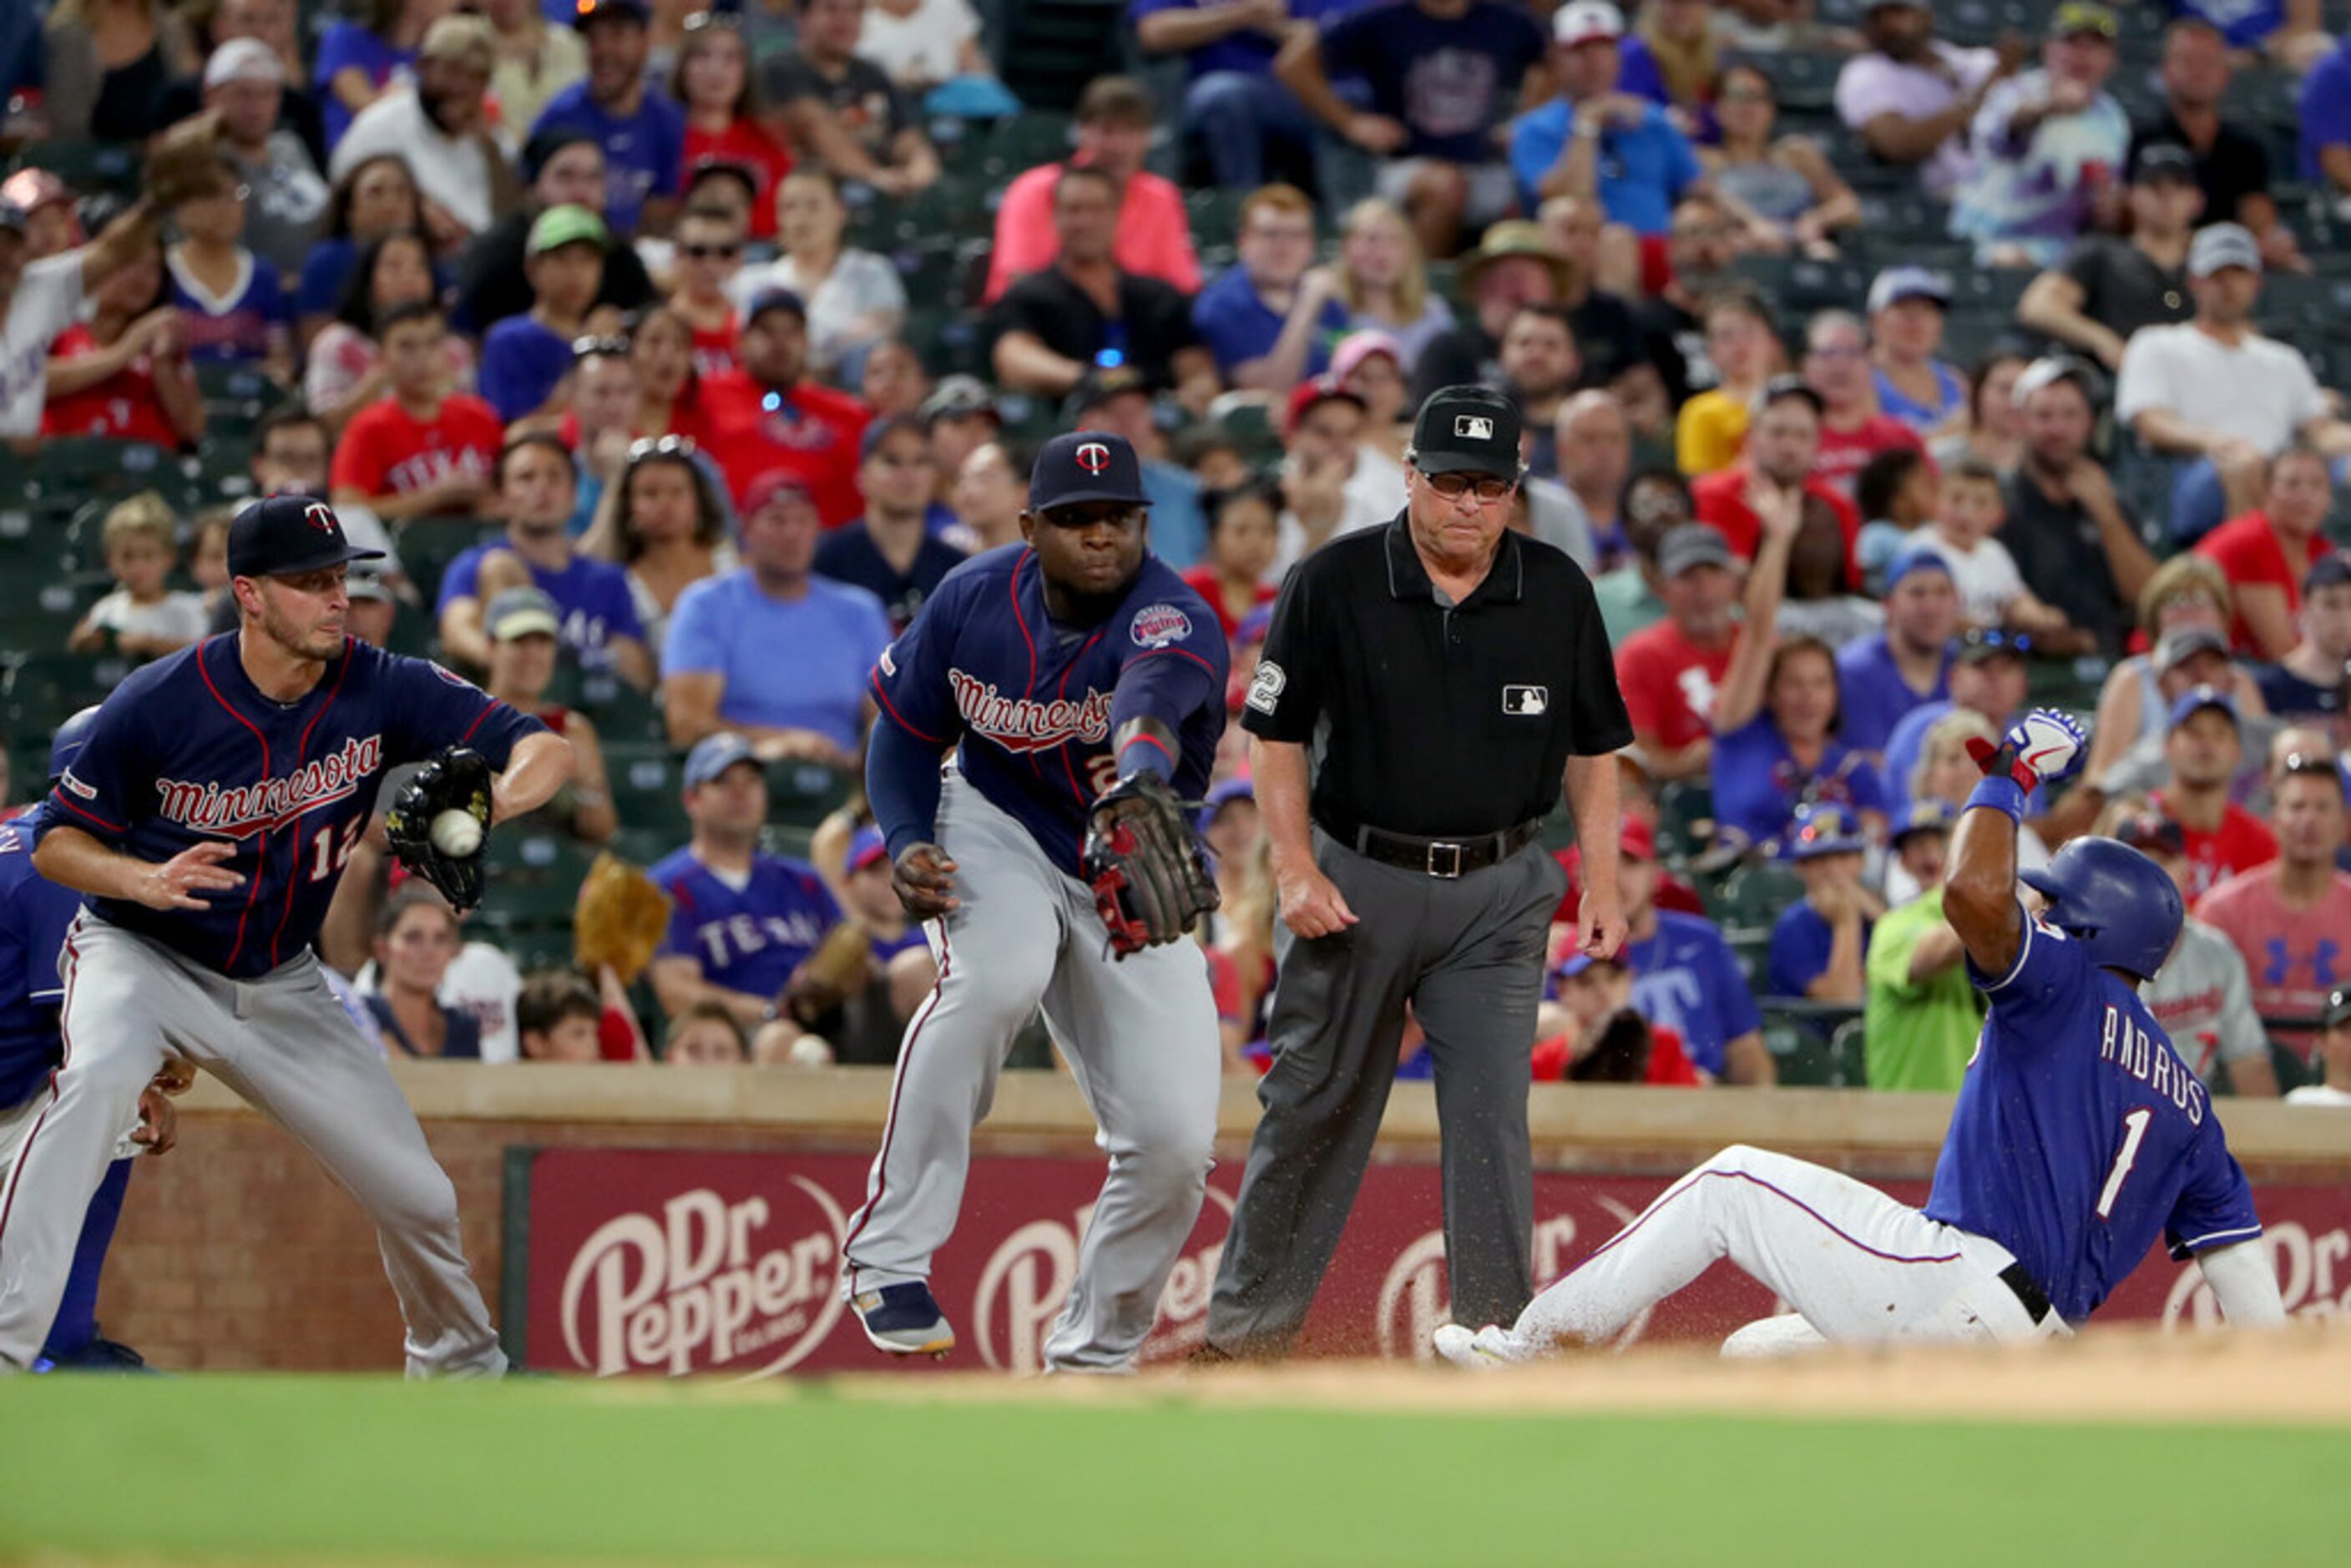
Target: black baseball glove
{"points": [[1150, 880], [455, 779]]}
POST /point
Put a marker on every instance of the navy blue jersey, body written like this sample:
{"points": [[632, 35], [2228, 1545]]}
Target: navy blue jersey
{"points": [[34, 915], [748, 938], [2080, 1134], [1030, 701], [188, 749]]}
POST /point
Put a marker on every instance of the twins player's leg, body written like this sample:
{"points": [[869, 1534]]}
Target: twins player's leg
{"points": [[1854, 1263], [294, 1060], [1140, 1035], [1477, 1005], [75, 1329], [122, 998], [996, 957], [1338, 1013]]}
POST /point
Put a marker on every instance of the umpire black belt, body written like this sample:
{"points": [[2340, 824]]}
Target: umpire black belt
{"points": [[1443, 858], [2028, 1290]]}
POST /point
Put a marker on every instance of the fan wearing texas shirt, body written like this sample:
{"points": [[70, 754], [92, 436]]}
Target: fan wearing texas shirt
{"points": [[420, 451]]}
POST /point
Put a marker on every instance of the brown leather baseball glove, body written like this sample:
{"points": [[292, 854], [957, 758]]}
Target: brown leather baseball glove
{"points": [[619, 920]]}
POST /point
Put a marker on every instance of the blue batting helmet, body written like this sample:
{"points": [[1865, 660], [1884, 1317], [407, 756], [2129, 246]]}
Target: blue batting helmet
{"points": [[2121, 906], [66, 743]]}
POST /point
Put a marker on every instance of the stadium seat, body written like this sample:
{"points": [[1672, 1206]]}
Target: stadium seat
{"points": [[427, 546], [802, 794], [89, 167], [646, 785]]}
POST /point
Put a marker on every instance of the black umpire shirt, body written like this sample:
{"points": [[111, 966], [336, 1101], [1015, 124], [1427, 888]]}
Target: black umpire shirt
{"points": [[1439, 721]]}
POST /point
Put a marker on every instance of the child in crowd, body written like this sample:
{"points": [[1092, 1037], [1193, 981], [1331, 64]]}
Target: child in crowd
{"points": [[1243, 528], [1992, 591], [208, 558], [1818, 945], [706, 1035], [709, 255], [1898, 492], [420, 451], [526, 358], [1745, 348], [142, 618], [558, 1016], [232, 305]]}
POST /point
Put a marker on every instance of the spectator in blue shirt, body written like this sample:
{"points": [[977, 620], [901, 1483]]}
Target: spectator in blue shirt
{"points": [[772, 650], [1440, 76], [2324, 110], [1818, 945], [1234, 107], [1268, 324], [640, 128], [1881, 677], [1685, 976], [2291, 32], [359, 60], [1776, 747], [1595, 139], [526, 358]]}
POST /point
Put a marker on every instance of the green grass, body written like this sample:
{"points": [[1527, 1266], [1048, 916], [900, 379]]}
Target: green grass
{"points": [[314, 1471]]}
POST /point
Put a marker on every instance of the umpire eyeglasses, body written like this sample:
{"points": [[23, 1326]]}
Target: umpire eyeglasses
{"points": [[1488, 490]]}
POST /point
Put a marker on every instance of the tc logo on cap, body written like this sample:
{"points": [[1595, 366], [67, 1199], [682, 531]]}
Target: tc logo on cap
{"points": [[321, 516], [1094, 456], [1473, 427]]}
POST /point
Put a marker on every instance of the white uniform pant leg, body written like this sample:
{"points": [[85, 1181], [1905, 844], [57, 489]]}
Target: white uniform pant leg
{"points": [[995, 954], [295, 1058], [1140, 1034], [1854, 1263], [121, 1002]]}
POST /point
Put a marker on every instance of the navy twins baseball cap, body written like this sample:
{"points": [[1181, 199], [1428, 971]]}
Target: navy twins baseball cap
{"points": [[1086, 465], [286, 536]]}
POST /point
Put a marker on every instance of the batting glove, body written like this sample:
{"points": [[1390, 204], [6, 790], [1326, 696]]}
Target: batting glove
{"points": [[2041, 747]]}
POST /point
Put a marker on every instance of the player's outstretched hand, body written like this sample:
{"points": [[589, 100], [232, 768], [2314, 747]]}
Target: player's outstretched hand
{"points": [[195, 870], [159, 1121], [2041, 747], [1311, 904], [924, 879]]}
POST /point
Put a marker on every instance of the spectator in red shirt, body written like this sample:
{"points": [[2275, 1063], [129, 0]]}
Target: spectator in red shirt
{"points": [[2291, 918], [709, 254], [671, 398], [1671, 672], [1244, 526], [1114, 123], [1852, 430], [2203, 750], [712, 81], [418, 452], [768, 417], [124, 372], [1783, 438], [2266, 552]]}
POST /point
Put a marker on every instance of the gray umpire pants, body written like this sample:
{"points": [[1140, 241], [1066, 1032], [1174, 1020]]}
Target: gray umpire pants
{"points": [[1467, 955], [283, 1043]]}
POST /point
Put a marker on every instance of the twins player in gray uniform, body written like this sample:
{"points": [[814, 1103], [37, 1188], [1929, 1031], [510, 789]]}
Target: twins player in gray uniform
{"points": [[1054, 670], [208, 819]]}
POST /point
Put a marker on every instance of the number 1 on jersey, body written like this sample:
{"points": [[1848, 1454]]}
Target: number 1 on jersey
{"points": [[2134, 1122]]}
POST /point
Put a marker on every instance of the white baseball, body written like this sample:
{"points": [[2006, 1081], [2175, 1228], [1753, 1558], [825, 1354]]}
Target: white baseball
{"points": [[456, 833]]}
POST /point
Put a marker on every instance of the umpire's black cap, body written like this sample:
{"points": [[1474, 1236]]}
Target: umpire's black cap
{"points": [[286, 536], [1086, 465], [1466, 429]]}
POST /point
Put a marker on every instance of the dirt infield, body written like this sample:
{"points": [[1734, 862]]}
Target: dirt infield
{"points": [[2302, 1376]]}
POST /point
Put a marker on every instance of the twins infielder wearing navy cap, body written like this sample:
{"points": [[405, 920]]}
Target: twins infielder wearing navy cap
{"points": [[209, 819], [1040, 674], [2080, 1136]]}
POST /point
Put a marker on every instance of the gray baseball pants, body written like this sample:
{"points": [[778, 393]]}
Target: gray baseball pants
{"points": [[283, 1043], [1467, 955], [1140, 1036]]}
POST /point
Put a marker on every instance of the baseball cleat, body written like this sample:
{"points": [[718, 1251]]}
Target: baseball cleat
{"points": [[1487, 1350], [904, 1319]]}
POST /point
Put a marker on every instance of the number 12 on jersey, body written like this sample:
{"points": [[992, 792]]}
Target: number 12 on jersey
{"points": [[331, 856], [2134, 1129]]}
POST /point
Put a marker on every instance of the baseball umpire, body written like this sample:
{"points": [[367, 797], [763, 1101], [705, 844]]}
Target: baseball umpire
{"points": [[208, 818], [1445, 674]]}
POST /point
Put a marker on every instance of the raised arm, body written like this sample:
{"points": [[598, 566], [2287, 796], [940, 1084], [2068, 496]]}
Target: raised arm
{"points": [[1979, 898], [1741, 698]]}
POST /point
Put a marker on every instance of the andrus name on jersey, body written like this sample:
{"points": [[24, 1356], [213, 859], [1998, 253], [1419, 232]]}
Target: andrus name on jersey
{"points": [[263, 807], [2150, 1062], [1023, 724]]}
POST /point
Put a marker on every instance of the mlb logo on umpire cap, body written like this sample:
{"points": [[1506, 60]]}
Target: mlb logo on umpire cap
{"points": [[1086, 465], [286, 536], [1466, 429]]}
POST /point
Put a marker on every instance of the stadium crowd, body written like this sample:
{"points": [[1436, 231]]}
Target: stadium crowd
{"points": [[1889, 367]]}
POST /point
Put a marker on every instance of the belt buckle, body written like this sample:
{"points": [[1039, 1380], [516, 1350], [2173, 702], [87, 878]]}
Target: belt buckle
{"points": [[1449, 873]]}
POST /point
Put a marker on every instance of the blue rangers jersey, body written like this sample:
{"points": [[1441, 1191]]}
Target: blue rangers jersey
{"points": [[2080, 1134], [34, 915], [748, 938], [1027, 701], [188, 749]]}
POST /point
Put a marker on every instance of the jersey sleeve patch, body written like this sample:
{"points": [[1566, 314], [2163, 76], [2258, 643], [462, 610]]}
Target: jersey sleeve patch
{"points": [[1159, 626]]}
